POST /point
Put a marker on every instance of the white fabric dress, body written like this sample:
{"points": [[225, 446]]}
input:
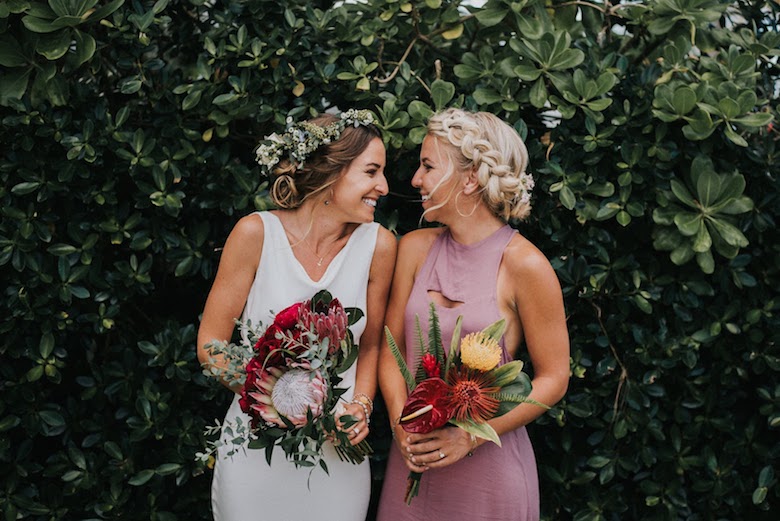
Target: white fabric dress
{"points": [[245, 487]]}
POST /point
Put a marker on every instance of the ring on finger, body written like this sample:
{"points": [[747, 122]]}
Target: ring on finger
{"points": [[356, 431], [442, 455]]}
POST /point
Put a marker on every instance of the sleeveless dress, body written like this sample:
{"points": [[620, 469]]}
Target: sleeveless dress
{"points": [[245, 487], [496, 483]]}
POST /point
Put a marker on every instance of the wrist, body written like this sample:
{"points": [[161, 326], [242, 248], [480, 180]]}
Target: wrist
{"points": [[474, 444], [366, 403]]}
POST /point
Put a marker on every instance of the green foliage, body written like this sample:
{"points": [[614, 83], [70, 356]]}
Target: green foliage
{"points": [[128, 129]]}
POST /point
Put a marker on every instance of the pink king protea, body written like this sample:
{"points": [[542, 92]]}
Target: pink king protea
{"points": [[288, 392], [330, 322]]}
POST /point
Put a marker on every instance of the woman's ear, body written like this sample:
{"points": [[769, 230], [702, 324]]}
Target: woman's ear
{"points": [[470, 182]]}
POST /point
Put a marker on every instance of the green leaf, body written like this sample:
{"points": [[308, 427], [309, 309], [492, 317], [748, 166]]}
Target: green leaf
{"points": [[13, 85], [706, 262], [419, 110], [442, 92], [754, 120], [527, 72], [728, 232], [702, 241], [682, 254], [734, 137], [54, 46], [454, 345], [52, 418], [708, 187], [729, 108], [682, 193], [11, 54], [567, 197], [141, 478], [688, 223], [506, 373], [167, 468], [491, 16], [496, 329], [85, 48], [485, 96], [46, 346], [480, 430], [61, 249], [539, 93], [684, 100], [25, 188]]}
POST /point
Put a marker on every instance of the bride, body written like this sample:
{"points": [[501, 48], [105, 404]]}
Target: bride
{"points": [[327, 175]]}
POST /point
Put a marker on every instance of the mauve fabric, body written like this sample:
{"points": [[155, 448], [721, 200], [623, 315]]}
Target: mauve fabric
{"points": [[497, 483]]}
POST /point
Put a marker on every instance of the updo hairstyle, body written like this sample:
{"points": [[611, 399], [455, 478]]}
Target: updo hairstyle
{"points": [[291, 186], [495, 152]]}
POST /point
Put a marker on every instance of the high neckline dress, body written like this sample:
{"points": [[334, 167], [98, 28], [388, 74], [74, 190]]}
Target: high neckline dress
{"points": [[245, 487], [497, 483]]}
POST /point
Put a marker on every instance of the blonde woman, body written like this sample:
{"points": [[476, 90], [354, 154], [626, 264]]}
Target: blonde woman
{"points": [[327, 175], [472, 179]]}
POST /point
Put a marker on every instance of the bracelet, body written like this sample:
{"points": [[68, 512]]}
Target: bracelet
{"points": [[365, 410], [364, 400], [473, 445], [395, 424]]}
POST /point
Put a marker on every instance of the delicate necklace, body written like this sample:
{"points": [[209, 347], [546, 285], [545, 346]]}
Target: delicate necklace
{"points": [[321, 258]]}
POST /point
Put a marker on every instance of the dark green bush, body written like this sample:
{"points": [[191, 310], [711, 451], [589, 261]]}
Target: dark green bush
{"points": [[127, 132]]}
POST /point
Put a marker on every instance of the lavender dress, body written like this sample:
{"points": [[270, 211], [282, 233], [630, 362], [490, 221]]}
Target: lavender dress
{"points": [[497, 483]]}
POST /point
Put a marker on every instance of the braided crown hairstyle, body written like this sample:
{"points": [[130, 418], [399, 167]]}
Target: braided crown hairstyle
{"points": [[495, 152], [292, 184]]}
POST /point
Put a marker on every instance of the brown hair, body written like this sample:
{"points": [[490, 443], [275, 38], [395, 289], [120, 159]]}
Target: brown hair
{"points": [[291, 186]]}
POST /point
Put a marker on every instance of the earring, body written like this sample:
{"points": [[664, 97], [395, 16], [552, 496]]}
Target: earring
{"points": [[457, 209], [326, 202]]}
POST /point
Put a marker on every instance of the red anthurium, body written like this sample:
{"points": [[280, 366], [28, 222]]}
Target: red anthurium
{"points": [[428, 407]]}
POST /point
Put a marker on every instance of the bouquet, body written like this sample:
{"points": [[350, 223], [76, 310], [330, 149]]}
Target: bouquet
{"points": [[465, 388], [289, 377]]}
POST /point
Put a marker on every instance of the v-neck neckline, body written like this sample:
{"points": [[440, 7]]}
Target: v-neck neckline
{"points": [[299, 264]]}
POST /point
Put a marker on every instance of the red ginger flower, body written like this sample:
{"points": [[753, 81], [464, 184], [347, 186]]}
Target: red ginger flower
{"points": [[431, 366]]}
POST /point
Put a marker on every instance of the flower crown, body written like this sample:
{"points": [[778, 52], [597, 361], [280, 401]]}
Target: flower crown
{"points": [[303, 138]]}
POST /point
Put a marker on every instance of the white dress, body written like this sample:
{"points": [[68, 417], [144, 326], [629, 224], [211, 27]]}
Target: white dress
{"points": [[245, 487]]}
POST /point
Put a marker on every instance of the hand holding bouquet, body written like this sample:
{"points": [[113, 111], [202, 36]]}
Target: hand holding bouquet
{"points": [[289, 377], [466, 388]]}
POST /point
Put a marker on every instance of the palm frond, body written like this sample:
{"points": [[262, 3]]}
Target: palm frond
{"points": [[399, 359], [434, 336]]}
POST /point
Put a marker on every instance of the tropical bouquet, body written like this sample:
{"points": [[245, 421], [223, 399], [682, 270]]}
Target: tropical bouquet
{"points": [[465, 388], [289, 373]]}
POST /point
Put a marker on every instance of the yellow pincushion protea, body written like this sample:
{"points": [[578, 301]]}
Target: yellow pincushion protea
{"points": [[480, 352]]}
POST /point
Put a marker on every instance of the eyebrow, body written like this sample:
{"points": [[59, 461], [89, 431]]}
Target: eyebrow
{"points": [[375, 165]]}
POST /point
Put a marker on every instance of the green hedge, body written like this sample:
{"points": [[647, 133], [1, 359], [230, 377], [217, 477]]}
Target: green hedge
{"points": [[127, 132]]}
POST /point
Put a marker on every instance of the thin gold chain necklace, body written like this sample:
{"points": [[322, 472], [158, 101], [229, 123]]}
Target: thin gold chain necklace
{"points": [[317, 255]]}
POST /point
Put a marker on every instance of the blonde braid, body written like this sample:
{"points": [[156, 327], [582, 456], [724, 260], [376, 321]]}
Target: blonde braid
{"points": [[497, 155]]}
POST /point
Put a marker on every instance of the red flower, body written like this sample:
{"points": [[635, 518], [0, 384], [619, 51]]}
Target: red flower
{"points": [[288, 317], [253, 368], [472, 395], [431, 366], [267, 345], [326, 322], [433, 393]]}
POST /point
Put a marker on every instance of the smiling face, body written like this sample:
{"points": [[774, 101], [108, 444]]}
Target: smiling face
{"points": [[356, 192], [436, 179]]}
